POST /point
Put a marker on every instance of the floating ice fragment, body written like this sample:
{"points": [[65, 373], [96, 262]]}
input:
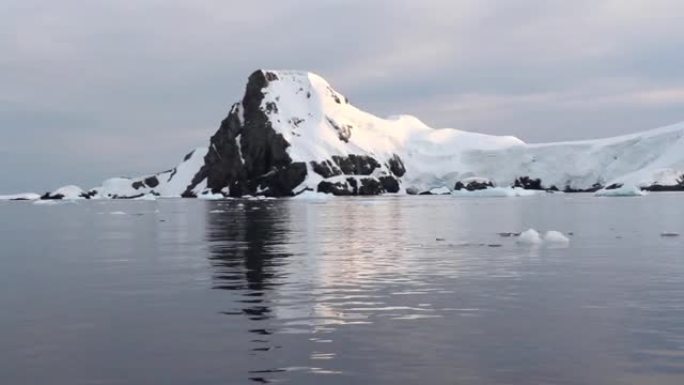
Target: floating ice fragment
{"points": [[529, 237], [496, 192], [208, 195], [555, 237], [49, 202]]}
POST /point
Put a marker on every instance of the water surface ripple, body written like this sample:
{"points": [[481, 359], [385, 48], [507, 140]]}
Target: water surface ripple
{"points": [[387, 290]]}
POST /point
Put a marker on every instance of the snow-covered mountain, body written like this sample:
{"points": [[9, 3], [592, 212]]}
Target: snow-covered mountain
{"points": [[292, 132]]}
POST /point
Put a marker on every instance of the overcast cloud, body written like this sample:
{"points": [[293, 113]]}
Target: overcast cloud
{"points": [[93, 89]]}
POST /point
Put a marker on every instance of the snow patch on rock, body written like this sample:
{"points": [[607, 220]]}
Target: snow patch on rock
{"points": [[70, 192], [551, 238]]}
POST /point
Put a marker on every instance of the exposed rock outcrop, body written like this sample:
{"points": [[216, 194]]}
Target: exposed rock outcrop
{"points": [[528, 183], [593, 188], [473, 184], [656, 187], [246, 155], [377, 179]]}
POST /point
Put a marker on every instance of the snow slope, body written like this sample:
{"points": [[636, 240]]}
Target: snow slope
{"points": [[170, 184], [312, 116], [309, 111], [320, 124]]}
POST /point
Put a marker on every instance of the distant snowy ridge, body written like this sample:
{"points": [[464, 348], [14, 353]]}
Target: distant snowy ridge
{"points": [[292, 132]]}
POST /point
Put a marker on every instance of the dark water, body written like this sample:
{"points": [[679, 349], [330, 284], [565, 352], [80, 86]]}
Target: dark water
{"points": [[418, 290]]}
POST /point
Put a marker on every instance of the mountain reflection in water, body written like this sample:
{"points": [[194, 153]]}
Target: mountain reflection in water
{"points": [[384, 290]]}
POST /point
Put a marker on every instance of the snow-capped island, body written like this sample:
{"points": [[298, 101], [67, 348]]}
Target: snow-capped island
{"points": [[293, 133]]}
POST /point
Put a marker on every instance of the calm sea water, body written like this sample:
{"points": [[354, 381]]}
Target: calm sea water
{"points": [[411, 290]]}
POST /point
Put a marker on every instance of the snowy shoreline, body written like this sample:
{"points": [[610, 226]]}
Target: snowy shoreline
{"points": [[496, 192]]}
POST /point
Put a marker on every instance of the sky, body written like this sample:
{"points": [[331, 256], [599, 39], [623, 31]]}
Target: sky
{"points": [[95, 89]]}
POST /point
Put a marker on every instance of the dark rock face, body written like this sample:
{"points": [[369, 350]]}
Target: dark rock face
{"points": [[326, 169], [473, 185], [594, 188], [49, 196], [396, 166], [151, 181], [270, 76], [356, 164], [350, 186], [280, 182], [222, 164], [90, 194], [389, 184], [337, 188], [528, 183], [662, 188], [658, 187], [346, 165], [370, 186], [246, 155]]}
